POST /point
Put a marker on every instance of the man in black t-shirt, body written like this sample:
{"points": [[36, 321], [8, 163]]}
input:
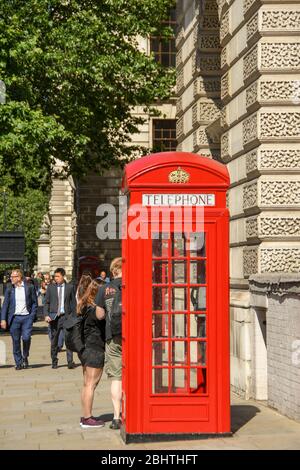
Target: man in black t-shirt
{"points": [[113, 348]]}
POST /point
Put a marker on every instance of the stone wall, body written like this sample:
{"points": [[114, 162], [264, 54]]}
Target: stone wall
{"points": [[91, 192], [280, 294], [73, 220], [261, 131], [261, 113]]}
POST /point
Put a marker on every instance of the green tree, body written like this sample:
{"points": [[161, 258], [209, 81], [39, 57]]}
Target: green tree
{"points": [[73, 73]]}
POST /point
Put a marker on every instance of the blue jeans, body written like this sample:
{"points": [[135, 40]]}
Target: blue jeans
{"points": [[21, 327]]}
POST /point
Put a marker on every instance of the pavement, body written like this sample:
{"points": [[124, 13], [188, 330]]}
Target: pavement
{"points": [[40, 410]]}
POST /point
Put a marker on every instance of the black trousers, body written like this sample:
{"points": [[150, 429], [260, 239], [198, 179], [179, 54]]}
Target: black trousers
{"points": [[55, 328]]}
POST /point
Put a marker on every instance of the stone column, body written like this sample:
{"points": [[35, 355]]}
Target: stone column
{"points": [[43, 243], [62, 224], [198, 76], [279, 295]]}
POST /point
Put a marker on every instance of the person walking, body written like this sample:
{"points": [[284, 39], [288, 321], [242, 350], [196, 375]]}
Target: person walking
{"points": [[18, 313], [59, 303], [113, 348], [37, 281], [44, 286], [92, 356]]}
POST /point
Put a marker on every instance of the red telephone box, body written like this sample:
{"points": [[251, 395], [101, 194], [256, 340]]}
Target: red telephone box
{"points": [[175, 299], [91, 264]]}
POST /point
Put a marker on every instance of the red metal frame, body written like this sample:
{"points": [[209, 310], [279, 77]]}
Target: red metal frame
{"points": [[179, 409]]}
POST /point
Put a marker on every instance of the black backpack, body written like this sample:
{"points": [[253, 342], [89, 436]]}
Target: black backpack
{"points": [[74, 333], [116, 313]]}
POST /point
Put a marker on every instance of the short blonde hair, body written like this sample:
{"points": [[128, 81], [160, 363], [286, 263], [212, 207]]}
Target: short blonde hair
{"points": [[116, 267]]}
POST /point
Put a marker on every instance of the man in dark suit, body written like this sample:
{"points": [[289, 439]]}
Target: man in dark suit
{"points": [[59, 303], [18, 313]]}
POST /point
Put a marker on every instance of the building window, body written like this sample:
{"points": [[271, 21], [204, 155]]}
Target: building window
{"points": [[165, 50], [164, 135]]}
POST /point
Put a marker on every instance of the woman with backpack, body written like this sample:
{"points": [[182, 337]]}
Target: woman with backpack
{"points": [[92, 356]]}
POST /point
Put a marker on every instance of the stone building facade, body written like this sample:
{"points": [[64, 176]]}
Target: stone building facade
{"points": [[238, 92], [237, 101]]}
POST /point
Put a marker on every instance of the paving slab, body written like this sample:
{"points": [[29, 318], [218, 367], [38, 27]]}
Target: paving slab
{"points": [[40, 409], [11, 445]]}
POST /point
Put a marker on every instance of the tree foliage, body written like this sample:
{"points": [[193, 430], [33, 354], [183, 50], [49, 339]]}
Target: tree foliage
{"points": [[73, 73]]}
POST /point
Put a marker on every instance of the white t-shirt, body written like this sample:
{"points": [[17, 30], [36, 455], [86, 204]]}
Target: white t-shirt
{"points": [[21, 308]]}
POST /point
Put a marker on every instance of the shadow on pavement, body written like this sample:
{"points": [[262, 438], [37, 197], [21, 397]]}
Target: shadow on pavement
{"points": [[39, 329], [241, 414], [33, 366], [4, 333], [106, 417], [36, 366]]}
